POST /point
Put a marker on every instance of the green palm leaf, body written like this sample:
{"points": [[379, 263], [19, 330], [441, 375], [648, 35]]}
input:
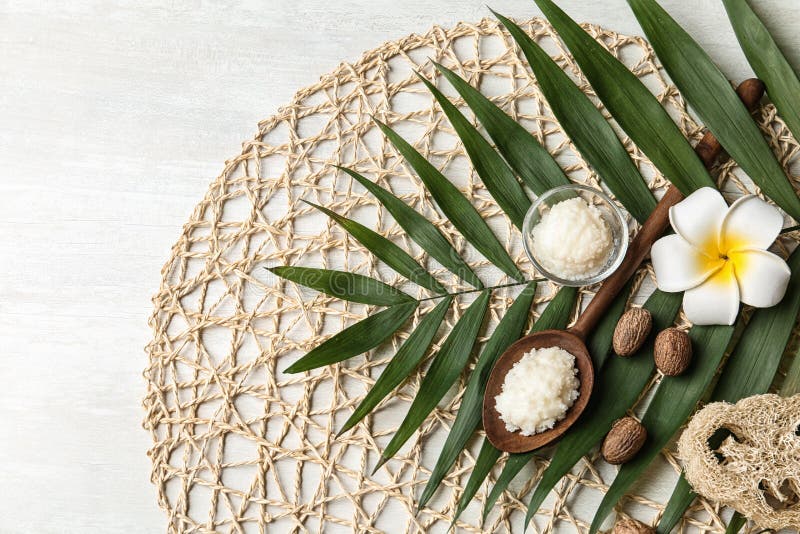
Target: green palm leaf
{"points": [[672, 403], [421, 230], [458, 209], [514, 464], [403, 362], [599, 345], [768, 62], [356, 339], [344, 285], [443, 372], [633, 106], [682, 496], [620, 384], [791, 384], [529, 159], [386, 251], [585, 125], [712, 97], [493, 171], [736, 523], [557, 313], [750, 370], [487, 459], [469, 413]]}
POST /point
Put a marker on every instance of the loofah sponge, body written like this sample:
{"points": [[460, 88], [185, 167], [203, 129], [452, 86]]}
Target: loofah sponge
{"points": [[756, 469]]}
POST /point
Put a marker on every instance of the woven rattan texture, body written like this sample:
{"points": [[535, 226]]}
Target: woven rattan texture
{"points": [[239, 446]]}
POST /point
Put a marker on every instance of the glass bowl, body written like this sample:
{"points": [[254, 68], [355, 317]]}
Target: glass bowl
{"points": [[612, 215]]}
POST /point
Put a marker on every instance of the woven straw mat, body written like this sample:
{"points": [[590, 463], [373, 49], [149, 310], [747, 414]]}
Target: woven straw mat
{"points": [[239, 446]]}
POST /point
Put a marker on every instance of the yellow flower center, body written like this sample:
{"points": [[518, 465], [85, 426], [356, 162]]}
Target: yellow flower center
{"points": [[720, 256], [723, 276]]}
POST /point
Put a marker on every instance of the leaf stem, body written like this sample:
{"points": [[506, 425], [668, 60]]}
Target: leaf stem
{"points": [[512, 284]]}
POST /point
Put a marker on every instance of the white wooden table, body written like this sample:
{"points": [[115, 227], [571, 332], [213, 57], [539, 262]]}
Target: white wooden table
{"points": [[113, 119]]}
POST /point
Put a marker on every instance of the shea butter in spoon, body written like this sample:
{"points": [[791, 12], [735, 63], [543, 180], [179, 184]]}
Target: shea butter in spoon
{"points": [[538, 391]]}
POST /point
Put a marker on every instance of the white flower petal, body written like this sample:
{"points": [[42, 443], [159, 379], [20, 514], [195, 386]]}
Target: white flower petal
{"points": [[750, 223], [698, 218], [680, 266], [762, 277], [715, 301]]}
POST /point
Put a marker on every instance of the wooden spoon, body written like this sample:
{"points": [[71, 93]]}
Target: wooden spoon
{"points": [[573, 340]]}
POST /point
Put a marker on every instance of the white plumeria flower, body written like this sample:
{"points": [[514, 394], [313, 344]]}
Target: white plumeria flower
{"points": [[718, 256]]}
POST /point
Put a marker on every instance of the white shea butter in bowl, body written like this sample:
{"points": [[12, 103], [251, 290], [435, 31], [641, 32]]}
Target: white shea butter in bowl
{"points": [[573, 240], [538, 391], [575, 235]]}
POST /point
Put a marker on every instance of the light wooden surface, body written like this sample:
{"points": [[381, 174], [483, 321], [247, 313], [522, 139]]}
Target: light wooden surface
{"points": [[113, 119]]}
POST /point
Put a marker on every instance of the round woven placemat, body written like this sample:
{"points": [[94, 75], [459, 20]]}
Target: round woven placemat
{"points": [[239, 446]]}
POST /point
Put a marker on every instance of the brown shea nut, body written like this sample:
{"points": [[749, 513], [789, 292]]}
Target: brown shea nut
{"points": [[623, 441], [631, 526], [632, 331], [673, 351]]}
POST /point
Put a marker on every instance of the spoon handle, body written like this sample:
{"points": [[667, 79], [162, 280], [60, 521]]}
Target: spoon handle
{"points": [[708, 149]]}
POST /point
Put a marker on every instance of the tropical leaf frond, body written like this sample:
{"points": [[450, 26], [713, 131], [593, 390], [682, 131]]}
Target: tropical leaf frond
{"points": [[490, 167], [593, 136], [403, 362], [458, 209], [634, 107], [421, 230], [709, 92], [516, 160], [356, 339], [529, 159], [442, 374], [344, 285], [768, 62], [386, 251]]}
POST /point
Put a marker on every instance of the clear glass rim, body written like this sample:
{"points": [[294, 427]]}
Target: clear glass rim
{"points": [[615, 210]]}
